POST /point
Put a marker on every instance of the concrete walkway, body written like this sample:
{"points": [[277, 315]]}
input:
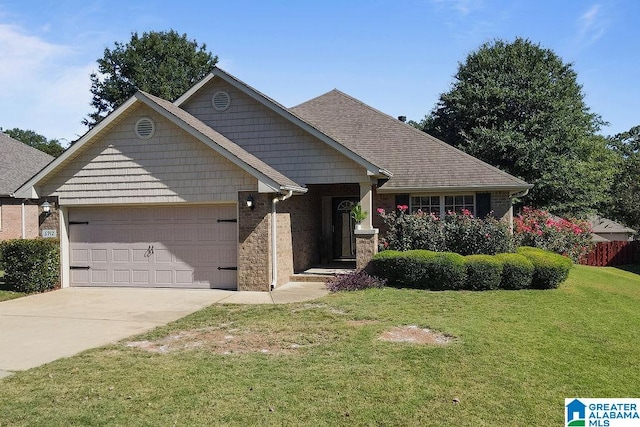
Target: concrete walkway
{"points": [[41, 328]]}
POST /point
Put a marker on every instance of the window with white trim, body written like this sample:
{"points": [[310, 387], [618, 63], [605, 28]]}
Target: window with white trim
{"points": [[458, 203], [427, 204], [440, 205]]}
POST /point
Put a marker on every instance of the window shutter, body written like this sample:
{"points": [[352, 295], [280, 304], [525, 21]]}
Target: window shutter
{"points": [[402, 199], [483, 204]]}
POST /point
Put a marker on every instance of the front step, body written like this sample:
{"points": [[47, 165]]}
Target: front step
{"points": [[310, 278]]}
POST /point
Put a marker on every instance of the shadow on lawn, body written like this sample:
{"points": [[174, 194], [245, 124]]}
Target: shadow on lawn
{"points": [[632, 268]]}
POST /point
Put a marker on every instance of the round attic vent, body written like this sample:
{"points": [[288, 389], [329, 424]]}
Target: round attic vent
{"points": [[145, 128], [221, 101]]}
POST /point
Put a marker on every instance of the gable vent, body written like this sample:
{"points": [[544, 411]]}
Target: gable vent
{"points": [[145, 128], [221, 101]]}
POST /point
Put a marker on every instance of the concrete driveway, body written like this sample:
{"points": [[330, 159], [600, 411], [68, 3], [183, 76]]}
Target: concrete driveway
{"points": [[41, 328]]}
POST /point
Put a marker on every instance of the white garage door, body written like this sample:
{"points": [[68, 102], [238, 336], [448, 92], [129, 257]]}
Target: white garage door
{"points": [[186, 247]]}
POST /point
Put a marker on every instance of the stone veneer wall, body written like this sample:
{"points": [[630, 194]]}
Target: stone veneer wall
{"points": [[284, 245], [366, 247], [502, 206], [304, 213], [254, 250]]}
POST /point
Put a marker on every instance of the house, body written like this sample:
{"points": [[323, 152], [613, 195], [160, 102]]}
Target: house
{"points": [[575, 411], [19, 218], [227, 188], [606, 230]]}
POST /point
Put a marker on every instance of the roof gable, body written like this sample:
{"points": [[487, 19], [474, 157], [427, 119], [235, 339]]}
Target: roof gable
{"points": [[241, 158], [18, 163], [288, 114], [418, 161]]}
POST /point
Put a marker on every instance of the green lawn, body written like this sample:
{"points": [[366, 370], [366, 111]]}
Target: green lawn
{"points": [[516, 356]]}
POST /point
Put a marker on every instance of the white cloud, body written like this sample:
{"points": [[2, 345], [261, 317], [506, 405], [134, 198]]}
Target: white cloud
{"points": [[43, 89], [591, 25]]}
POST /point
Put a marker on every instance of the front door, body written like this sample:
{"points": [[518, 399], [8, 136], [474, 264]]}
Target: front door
{"points": [[344, 242]]}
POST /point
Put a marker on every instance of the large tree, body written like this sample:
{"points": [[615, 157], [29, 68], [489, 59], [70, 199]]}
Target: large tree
{"points": [[164, 64], [35, 140], [625, 191], [519, 107]]}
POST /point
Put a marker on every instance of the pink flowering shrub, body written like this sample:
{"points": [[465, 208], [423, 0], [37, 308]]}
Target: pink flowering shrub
{"points": [[461, 233], [538, 228]]}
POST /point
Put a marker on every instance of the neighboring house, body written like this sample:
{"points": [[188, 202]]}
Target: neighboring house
{"points": [[227, 188], [19, 218], [606, 230]]}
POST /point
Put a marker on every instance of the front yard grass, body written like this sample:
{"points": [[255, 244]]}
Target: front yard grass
{"points": [[516, 355]]}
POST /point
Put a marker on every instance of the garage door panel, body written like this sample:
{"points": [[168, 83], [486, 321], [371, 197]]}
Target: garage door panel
{"points": [[154, 246]]}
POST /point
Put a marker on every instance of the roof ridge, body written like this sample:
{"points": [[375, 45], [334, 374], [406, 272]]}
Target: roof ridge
{"points": [[422, 133]]}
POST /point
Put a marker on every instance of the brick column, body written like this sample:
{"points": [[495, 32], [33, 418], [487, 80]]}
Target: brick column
{"points": [[366, 247], [254, 254]]}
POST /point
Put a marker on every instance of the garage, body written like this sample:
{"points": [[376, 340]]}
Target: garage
{"points": [[154, 246]]}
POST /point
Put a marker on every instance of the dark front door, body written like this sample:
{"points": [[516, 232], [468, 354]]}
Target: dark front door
{"points": [[344, 242]]}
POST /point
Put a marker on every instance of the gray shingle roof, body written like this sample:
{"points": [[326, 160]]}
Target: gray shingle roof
{"points": [[604, 225], [18, 163], [416, 159], [226, 144]]}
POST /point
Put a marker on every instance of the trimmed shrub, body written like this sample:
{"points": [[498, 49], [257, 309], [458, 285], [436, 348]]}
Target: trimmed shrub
{"points": [[388, 265], [421, 269], [354, 282], [550, 269], [517, 271], [31, 265], [484, 272]]}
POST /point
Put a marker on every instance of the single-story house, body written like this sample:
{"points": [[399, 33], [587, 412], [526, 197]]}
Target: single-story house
{"points": [[226, 188], [22, 217], [607, 230]]}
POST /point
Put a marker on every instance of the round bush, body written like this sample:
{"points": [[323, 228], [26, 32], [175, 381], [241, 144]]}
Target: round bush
{"points": [[550, 269], [484, 272], [517, 271]]}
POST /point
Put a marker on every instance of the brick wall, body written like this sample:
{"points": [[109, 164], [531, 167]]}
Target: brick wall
{"points": [[11, 218], [254, 253], [304, 219], [501, 205], [284, 246]]}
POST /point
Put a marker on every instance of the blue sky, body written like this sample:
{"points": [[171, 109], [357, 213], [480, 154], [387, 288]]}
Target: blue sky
{"points": [[396, 56]]}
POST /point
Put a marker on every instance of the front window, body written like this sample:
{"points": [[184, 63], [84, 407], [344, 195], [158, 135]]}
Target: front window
{"points": [[458, 203], [427, 204], [440, 205]]}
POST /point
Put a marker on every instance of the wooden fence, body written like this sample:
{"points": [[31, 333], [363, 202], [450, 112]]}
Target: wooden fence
{"points": [[613, 253]]}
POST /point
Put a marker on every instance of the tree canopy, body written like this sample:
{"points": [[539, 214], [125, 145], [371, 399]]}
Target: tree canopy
{"points": [[165, 64], [35, 140], [625, 190], [519, 107]]}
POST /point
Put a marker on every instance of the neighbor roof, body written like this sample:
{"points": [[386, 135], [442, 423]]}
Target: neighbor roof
{"points": [[417, 160], [604, 225], [18, 163]]}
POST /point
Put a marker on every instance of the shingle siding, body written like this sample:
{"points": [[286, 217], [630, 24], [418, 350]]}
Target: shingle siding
{"points": [[273, 139], [172, 166]]}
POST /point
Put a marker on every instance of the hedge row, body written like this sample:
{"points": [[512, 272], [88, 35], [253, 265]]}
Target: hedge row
{"points": [[30, 265], [530, 268]]}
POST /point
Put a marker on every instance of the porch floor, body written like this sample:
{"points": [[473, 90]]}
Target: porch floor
{"points": [[320, 273]]}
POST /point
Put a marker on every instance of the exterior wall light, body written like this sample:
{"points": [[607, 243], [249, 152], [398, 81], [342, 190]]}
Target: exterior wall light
{"points": [[251, 203], [46, 208]]}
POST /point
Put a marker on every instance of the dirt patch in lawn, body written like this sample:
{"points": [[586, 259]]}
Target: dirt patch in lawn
{"points": [[229, 340], [416, 335]]}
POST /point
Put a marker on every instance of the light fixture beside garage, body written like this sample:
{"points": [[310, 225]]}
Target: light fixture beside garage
{"points": [[251, 203], [145, 128], [46, 208]]}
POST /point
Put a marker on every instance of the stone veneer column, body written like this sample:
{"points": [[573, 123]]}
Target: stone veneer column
{"points": [[366, 247], [254, 254]]}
